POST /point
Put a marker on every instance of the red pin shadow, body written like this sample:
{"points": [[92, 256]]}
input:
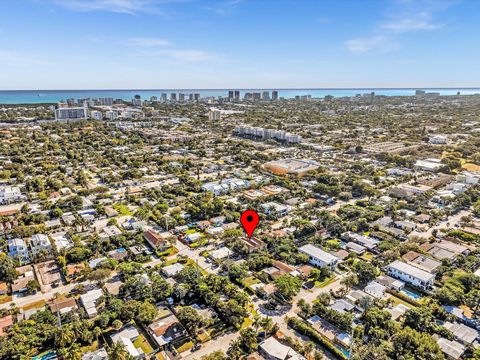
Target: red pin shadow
{"points": [[249, 220]]}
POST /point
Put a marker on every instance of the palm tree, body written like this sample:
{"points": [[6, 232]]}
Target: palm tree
{"points": [[266, 323], [234, 350], [64, 336], [97, 332], [256, 322], [117, 351], [74, 352]]}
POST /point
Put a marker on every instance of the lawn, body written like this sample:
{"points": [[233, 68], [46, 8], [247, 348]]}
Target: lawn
{"points": [[34, 305], [143, 344], [185, 347], [367, 256], [203, 337], [92, 347], [471, 167], [122, 209], [5, 298], [246, 323], [249, 281], [325, 282], [169, 252]]}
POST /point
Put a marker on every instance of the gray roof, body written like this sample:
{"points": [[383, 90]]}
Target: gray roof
{"points": [[462, 332], [318, 253], [411, 270]]}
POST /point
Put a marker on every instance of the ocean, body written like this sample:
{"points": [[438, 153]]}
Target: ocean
{"points": [[54, 96]]}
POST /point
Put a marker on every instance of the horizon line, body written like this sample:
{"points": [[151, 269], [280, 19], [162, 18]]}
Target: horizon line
{"points": [[261, 88]]}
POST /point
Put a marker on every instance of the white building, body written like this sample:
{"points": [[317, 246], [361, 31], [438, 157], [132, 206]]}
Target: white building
{"points": [[429, 164], [17, 249], [437, 139], [96, 115], [265, 134], [272, 349], [10, 194], [126, 337], [111, 114], [89, 300], [318, 257], [411, 275], [468, 177], [214, 115], [279, 209], [375, 289], [71, 113], [40, 242]]}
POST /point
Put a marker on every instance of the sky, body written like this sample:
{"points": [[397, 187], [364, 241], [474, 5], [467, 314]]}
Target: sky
{"points": [[212, 44]]}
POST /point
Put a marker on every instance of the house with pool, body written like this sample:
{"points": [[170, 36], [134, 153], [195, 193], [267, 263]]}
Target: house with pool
{"points": [[411, 275]]}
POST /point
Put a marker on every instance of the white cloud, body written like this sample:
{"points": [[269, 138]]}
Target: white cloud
{"points": [[118, 6], [379, 44], [146, 42], [225, 8], [420, 22]]}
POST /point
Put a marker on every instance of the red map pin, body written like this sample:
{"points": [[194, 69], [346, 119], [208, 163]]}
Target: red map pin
{"points": [[249, 220]]}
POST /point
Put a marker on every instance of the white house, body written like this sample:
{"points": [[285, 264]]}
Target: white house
{"points": [[272, 349], [89, 300], [10, 194], [375, 289], [126, 337], [411, 275], [40, 242], [17, 249], [318, 257]]}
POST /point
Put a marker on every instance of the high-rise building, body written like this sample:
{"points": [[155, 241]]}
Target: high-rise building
{"points": [[214, 115], [266, 95], [173, 97], [111, 115], [181, 97], [137, 101], [190, 97], [236, 95], [257, 96], [70, 113], [196, 96], [163, 97], [153, 99], [96, 115], [105, 101], [248, 96], [230, 94], [274, 95]]}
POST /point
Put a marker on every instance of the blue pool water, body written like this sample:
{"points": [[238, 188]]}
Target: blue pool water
{"points": [[343, 350], [46, 356], [411, 294]]}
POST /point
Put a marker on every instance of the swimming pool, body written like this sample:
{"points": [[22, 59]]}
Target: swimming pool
{"points": [[411, 294]]}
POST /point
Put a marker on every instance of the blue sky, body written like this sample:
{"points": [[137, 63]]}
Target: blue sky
{"points": [[106, 44]]}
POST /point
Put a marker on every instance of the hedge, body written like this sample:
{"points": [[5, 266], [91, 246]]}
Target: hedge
{"points": [[305, 329]]}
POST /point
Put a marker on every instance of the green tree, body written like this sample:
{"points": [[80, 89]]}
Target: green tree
{"points": [[190, 318], [288, 286]]}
